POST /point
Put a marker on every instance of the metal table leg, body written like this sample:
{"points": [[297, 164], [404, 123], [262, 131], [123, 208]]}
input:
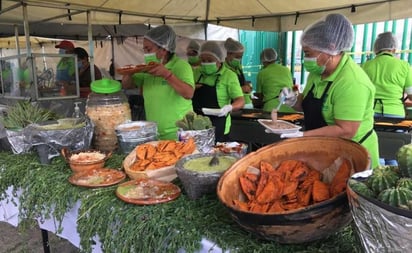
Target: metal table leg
{"points": [[45, 238]]}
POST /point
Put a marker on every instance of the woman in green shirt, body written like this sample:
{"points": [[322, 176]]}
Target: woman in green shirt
{"points": [[338, 97], [168, 87], [192, 53], [216, 87], [233, 61], [391, 76], [271, 79]]}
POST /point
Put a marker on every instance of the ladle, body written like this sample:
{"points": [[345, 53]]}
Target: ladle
{"points": [[214, 161], [274, 113]]}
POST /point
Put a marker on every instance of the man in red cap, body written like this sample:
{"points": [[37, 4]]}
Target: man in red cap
{"points": [[65, 70]]}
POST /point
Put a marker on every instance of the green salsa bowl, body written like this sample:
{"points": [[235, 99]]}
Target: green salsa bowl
{"points": [[198, 177]]}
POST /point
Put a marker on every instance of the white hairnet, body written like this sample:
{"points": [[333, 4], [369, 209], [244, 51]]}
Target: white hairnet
{"points": [[385, 41], [268, 55], [332, 34], [193, 45], [212, 48], [163, 36], [233, 46]]}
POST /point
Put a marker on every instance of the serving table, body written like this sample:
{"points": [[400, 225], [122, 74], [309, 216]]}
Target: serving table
{"points": [[392, 133], [96, 220]]}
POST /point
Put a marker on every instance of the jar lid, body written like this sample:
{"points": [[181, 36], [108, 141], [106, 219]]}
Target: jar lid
{"points": [[106, 85]]}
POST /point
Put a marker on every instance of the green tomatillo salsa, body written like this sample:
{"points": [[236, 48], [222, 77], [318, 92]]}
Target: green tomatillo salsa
{"points": [[201, 164]]}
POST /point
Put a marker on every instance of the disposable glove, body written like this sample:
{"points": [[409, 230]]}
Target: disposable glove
{"points": [[292, 135], [290, 96], [225, 110]]}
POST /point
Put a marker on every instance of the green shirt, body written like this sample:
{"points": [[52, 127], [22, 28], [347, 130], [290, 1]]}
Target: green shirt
{"points": [[238, 71], [7, 77], [270, 81], [162, 103], [391, 77], [227, 88], [65, 69], [350, 97]]}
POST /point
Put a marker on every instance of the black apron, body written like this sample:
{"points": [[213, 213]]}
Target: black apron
{"points": [[206, 97], [379, 100], [312, 109], [241, 77]]}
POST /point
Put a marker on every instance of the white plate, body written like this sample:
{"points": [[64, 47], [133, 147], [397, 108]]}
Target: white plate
{"points": [[289, 127], [211, 111]]}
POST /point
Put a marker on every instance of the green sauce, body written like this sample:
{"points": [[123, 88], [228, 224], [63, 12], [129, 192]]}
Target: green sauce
{"points": [[201, 164]]}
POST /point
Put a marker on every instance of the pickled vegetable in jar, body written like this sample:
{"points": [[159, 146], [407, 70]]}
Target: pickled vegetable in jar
{"points": [[107, 107]]}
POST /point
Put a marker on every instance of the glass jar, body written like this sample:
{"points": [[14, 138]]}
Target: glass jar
{"points": [[107, 107]]}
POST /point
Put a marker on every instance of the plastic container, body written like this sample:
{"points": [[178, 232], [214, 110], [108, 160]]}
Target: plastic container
{"points": [[107, 107]]}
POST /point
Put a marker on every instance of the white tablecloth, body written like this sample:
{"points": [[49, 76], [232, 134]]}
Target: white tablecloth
{"points": [[9, 213]]}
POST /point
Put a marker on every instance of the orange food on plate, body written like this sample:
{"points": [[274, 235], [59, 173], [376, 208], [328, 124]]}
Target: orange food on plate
{"points": [[292, 117], [131, 69], [165, 153]]}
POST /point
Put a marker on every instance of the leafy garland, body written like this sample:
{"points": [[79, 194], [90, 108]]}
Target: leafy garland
{"points": [[123, 227]]}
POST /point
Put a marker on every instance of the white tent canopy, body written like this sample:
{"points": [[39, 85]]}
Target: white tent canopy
{"points": [[200, 19], [270, 15]]}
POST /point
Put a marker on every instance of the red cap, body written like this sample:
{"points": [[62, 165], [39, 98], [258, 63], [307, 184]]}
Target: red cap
{"points": [[65, 44]]}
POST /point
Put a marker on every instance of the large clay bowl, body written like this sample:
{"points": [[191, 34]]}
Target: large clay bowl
{"points": [[303, 225]]}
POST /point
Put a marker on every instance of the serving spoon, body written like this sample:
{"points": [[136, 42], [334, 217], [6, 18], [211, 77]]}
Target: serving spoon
{"points": [[274, 114], [214, 161]]}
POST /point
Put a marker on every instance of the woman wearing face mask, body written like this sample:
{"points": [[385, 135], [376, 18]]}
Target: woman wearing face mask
{"points": [[338, 97], [168, 87], [271, 79], [85, 77], [192, 53], [233, 61], [216, 87]]}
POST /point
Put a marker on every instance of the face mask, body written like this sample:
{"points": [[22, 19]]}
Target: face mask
{"points": [[62, 51], [235, 63], [79, 64], [311, 65], [193, 59], [209, 68], [151, 57]]}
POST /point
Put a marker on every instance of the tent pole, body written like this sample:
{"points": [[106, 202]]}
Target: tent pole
{"points": [[205, 29], [16, 34], [112, 73], [91, 47], [29, 59], [26, 30]]}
